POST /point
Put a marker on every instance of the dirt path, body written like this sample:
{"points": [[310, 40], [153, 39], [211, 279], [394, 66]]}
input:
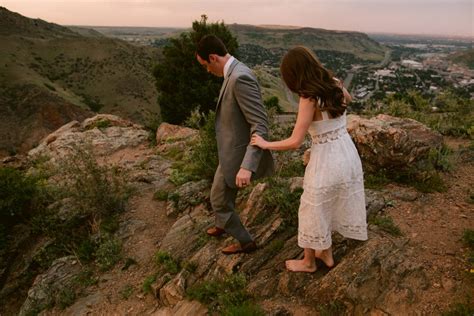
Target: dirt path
{"points": [[435, 223], [119, 292]]}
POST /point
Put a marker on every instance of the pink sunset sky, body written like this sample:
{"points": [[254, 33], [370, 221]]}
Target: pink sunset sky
{"points": [[442, 17]]}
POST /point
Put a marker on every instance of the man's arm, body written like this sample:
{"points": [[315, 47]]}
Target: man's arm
{"points": [[248, 96]]}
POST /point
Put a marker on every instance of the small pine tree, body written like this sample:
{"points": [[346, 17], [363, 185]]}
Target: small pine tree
{"points": [[182, 83]]}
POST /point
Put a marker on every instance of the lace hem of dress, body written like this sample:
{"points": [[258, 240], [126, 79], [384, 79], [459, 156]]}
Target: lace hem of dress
{"points": [[358, 232], [324, 242], [329, 136], [314, 242]]}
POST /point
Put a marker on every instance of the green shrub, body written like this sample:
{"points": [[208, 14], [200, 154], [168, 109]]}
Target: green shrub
{"points": [[96, 191], [108, 253], [151, 125], [288, 166], [279, 197], [246, 309], [65, 298], [459, 309], [18, 193], [190, 266], [455, 116], [126, 291], [146, 287], [468, 237], [275, 246], [224, 295], [204, 157], [86, 250], [201, 162], [273, 103], [160, 195], [386, 224], [86, 278], [165, 260], [427, 181]]}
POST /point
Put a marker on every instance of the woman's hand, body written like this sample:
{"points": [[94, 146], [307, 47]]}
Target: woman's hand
{"points": [[258, 141]]}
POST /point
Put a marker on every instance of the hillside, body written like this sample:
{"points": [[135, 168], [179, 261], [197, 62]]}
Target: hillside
{"points": [[149, 255], [464, 57], [58, 74], [358, 44]]}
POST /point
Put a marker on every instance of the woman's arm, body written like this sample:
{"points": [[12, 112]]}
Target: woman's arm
{"points": [[347, 96], [305, 117]]}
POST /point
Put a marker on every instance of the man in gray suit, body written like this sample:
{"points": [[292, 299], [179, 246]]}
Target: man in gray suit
{"points": [[239, 114]]}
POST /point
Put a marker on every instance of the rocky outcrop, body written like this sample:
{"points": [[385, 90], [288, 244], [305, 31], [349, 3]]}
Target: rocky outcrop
{"points": [[188, 195], [169, 136], [52, 283], [265, 266], [390, 142], [168, 133], [373, 277], [379, 277], [106, 134], [183, 308]]}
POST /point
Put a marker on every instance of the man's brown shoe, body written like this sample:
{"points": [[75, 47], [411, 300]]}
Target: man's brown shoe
{"points": [[215, 231], [240, 248]]}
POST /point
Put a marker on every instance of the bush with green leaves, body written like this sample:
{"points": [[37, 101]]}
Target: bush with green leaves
{"points": [[182, 83], [19, 193], [96, 190], [454, 115], [386, 224], [165, 260], [201, 162], [83, 220], [425, 176], [273, 103], [21, 196], [226, 296], [278, 196]]}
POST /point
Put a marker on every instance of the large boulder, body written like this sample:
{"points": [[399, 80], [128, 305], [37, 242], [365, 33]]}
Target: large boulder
{"points": [[49, 285], [390, 142], [171, 133], [105, 132]]}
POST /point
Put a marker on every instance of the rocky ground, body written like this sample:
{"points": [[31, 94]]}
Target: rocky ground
{"points": [[422, 272]]}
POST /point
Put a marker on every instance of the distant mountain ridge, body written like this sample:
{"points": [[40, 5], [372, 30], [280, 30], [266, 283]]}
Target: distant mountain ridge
{"points": [[356, 43], [61, 74]]}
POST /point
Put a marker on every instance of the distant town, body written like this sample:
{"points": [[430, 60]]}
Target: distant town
{"points": [[424, 67], [424, 64]]}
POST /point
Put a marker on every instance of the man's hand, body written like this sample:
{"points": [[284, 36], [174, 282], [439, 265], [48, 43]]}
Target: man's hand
{"points": [[243, 178]]}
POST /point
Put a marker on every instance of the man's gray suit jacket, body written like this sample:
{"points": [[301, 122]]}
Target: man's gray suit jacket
{"points": [[239, 114]]}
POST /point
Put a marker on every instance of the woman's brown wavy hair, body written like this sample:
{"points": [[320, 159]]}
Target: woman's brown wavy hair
{"points": [[305, 75]]}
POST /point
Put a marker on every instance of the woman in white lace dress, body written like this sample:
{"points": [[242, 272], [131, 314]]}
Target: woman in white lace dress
{"points": [[333, 197]]}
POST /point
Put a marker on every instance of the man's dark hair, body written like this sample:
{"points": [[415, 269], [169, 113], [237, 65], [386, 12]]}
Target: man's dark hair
{"points": [[210, 44]]}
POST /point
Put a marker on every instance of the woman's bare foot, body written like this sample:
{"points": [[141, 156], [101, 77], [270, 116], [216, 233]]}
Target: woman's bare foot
{"points": [[300, 266], [326, 256]]}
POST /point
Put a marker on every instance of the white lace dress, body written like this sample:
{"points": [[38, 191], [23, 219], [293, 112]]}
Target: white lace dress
{"points": [[333, 197]]}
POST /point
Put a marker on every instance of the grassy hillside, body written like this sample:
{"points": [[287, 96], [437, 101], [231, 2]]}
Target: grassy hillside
{"points": [[272, 85], [358, 44], [82, 71], [464, 57]]}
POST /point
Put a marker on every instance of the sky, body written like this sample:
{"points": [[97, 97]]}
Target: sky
{"points": [[437, 17]]}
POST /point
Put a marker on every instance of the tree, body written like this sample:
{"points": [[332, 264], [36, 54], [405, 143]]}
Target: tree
{"points": [[182, 83], [273, 102]]}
